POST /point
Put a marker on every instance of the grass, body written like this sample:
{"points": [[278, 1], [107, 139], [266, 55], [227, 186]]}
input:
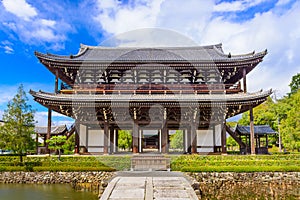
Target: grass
{"points": [[76, 163], [185, 163], [237, 163]]}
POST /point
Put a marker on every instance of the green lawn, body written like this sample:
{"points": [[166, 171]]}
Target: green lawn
{"points": [[185, 163], [236, 163]]}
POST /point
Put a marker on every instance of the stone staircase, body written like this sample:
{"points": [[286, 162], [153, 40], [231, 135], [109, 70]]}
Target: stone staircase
{"points": [[150, 163]]}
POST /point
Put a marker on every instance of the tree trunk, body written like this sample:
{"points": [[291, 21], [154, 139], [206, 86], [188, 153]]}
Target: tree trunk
{"points": [[59, 154], [21, 158]]}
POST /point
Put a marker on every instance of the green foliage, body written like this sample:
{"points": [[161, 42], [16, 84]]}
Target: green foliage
{"points": [[236, 163], [290, 123], [57, 143], [264, 114], [176, 140], [70, 163], [69, 145], [124, 139], [232, 144], [17, 131], [295, 84]]}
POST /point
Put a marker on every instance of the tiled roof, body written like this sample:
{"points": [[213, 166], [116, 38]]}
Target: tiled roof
{"points": [[123, 54], [90, 98], [55, 130], [258, 130]]}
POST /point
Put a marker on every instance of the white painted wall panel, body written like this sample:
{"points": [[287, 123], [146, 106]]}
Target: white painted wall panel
{"points": [[218, 135], [204, 137], [205, 150], [95, 149], [82, 135], [96, 138]]}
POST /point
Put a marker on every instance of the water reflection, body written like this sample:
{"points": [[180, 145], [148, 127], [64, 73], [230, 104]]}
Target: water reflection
{"points": [[42, 192]]}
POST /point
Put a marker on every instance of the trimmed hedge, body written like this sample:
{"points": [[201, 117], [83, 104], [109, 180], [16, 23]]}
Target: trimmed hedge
{"points": [[236, 163], [76, 163]]}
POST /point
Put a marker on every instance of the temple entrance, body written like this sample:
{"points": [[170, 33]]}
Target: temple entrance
{"points": [[150, 141], [176, 141], [124, 141]]}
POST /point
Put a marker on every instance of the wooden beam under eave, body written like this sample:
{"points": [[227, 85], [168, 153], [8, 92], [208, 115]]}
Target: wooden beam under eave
{"points": [[48, 129], [244, 80], [252, 139]]}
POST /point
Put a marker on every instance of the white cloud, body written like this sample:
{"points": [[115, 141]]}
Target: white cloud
{"points": [[32, 26], [282, 2], [20, 8], [6, 94], [239, 5], [116, 18], [47, 22], [8, 49], [277, 30], [7, 46], [57, 119]]}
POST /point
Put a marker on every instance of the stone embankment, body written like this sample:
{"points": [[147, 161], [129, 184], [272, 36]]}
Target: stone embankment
{"points": [[88, 181], [260, 185]]}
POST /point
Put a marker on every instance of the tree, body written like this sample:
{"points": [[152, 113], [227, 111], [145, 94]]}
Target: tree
{"points": [[263, 114], [231, 143], [57, 143], [69, 146], [17, 131], [176, 140], [290, 122], [124, 139], [295, 84]]}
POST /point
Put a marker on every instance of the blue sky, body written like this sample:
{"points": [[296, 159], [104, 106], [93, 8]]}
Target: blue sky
{"points": [[59, 27]]}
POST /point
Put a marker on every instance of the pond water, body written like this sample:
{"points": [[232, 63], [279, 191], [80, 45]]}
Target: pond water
{"points": [[42, 192]]}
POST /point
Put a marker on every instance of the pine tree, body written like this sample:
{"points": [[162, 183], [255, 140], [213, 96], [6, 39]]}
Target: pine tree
{"points": [[16, 133]]}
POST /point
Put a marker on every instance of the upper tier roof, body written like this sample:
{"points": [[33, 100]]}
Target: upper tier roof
{"points": [[136, 54]]}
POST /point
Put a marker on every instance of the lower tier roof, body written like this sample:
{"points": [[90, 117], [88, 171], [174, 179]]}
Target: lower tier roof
{"points": [[171, 107]]}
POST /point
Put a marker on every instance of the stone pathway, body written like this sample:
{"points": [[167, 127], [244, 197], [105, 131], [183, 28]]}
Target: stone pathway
{"points": [[149, 187]]}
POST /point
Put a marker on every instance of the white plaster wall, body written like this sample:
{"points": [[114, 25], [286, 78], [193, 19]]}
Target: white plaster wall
{"points": [[205, 150], [205, 138], [218, 135], [96, 138], [95, 149], [82, 135]]}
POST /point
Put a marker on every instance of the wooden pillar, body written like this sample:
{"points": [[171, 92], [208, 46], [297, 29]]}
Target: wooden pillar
{"points": [[117, 141], [267, 141], [214, 138], [77, 131], [135, 137], [193, 138], [56, 82], [37, 143], [223, 138], [106, 133], [188, 138], [48, 129], [164, 139], [252, 132], [111, 139], [244, 80], [184, 141]]}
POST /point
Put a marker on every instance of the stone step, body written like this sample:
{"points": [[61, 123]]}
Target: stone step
{"points": [[150, 163]]}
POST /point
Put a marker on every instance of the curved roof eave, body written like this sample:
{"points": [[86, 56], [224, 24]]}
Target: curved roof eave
{"points": [[212, 98], [215, 50]]}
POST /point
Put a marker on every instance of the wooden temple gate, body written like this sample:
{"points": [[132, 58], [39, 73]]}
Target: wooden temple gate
{"points": [[194, 89]]}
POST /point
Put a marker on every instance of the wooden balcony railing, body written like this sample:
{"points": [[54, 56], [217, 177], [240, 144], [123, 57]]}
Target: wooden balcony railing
{"points": [[152, 89]]}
